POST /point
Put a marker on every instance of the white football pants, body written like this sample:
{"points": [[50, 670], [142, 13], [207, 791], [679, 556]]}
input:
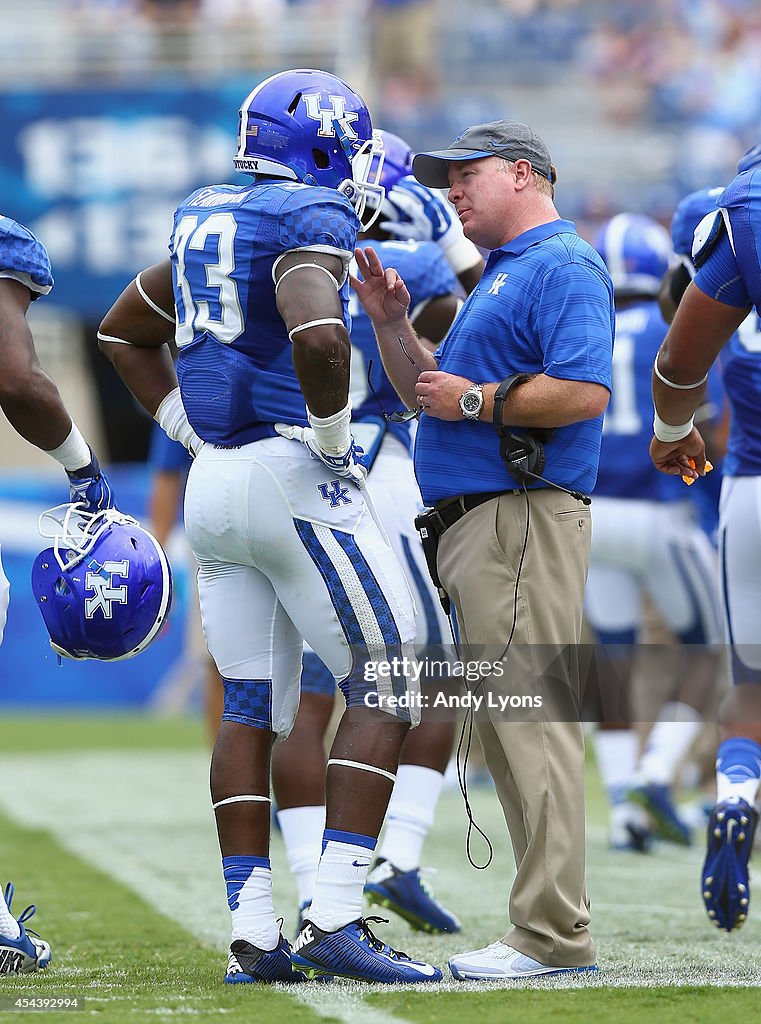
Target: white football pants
{"points": [[286, 553], [654, 548]]}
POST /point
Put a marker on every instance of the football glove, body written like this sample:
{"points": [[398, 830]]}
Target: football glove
{"points": [[420, 214], [90, 487], [348, 465]]}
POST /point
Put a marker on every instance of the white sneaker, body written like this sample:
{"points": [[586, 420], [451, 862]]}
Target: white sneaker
{"points": [[501, 962]]}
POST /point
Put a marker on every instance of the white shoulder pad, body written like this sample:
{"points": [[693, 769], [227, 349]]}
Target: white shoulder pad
{"points": [[706, 235]]}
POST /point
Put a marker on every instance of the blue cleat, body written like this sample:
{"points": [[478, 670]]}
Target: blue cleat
{"points": [[725, 885], [657, 801], [27, 952], [247, 963], [408, 895], [354, 952]]}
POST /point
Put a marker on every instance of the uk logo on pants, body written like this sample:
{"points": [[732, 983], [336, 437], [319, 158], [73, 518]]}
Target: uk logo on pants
{"points": [[334, 493]]}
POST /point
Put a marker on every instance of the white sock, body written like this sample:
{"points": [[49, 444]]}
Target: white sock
{"points": [[410, 815], [616, 752], [671, 737], [249, 896], [9, 926], [341, 879], [302, 829]]}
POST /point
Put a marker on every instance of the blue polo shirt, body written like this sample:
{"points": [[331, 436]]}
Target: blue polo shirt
{"points": [[544, 305]]}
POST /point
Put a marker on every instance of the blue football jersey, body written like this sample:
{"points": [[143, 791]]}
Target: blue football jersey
{"points": [[23, 257], [626, 469], [732, 274], [427, 275], [235, 367], [740, 362], [742, 201]]}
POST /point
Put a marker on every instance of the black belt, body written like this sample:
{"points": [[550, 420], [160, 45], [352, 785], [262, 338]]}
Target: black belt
{"points": [[451, 510]]}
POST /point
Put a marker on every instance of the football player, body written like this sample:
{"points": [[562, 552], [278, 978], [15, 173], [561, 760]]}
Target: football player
{"points": [[395, 880], [286, 541], [645, 542], [33, 406], [718, 312]]}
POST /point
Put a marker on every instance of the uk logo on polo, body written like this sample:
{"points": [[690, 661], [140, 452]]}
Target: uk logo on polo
{"points": [[327, 118], [101, 583], [498, 283]]}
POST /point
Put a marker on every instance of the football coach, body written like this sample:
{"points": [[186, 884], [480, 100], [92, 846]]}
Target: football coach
{"points": [[506, 454]]}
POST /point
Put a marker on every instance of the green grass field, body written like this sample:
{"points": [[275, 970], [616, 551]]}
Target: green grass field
{"points": [[105, 823]]}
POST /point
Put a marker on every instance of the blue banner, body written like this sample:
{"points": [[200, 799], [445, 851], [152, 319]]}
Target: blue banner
{"points": [[98, 173]]}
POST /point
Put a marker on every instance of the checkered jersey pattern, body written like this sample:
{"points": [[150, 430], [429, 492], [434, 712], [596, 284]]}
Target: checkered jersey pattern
{"points": [[318, 216], [248, 701], [23, 257]]}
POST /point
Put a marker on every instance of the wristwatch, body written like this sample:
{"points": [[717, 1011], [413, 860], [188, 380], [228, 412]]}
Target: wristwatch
{"points": [[472, 401]]}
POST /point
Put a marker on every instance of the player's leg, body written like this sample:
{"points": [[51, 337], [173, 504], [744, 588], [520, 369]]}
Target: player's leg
{"points": [[20, 953], [613, 608], [342, 587], [258, 654], [298, 777], [395, 880], [681, 580], [725, 883]]}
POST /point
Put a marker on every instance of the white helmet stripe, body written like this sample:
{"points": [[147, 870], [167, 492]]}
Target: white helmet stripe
{"points": [[613, 246]]}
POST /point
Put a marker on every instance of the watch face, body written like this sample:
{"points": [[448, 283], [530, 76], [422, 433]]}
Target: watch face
{"points": [[471, 402]]}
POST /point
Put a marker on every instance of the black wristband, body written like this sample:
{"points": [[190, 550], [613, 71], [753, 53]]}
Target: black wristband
{"points": [[503, 390]]}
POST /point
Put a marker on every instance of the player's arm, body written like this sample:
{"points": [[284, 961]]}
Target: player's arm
{"points": [[385, 299], [306, 284], [28, 397], [673, 286], [164, 500], [134, 335], [701, 327], [432, 322]]}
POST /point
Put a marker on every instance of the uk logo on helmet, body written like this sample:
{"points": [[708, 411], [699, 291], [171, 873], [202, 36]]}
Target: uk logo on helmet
{"points": [[101, 583], [327, 118], [104, 588]]}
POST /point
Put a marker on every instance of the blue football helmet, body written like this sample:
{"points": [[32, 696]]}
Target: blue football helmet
{"points": [[688, 214], [104, 588], [310, 126], [637, 252]]}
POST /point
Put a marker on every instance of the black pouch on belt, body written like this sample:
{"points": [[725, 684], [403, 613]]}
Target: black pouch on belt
{"points": [[430, 526]]}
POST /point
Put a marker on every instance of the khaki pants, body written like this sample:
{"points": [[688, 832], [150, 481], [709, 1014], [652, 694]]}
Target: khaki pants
{"points": [[535, 757]]}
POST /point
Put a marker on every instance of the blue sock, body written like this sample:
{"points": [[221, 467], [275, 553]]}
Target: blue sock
{"points": [[738, 769]]}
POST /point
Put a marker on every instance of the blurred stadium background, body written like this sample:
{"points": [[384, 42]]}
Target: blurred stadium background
{"points": [[113, 110]]}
